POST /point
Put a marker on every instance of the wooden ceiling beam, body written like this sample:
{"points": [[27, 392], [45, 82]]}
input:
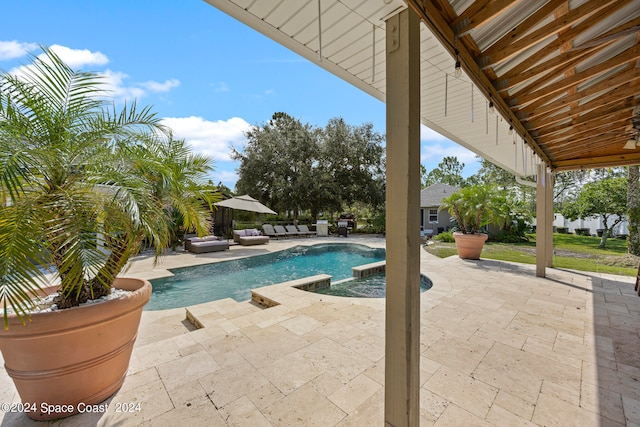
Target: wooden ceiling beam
{"points": [[630, 55], [609, 134], [579, 149], [546, 69], [525, 26], [580, 152], [477, 14], [559, 73], [449, 15], [554, 46], [626, 76], [446, 10], [621, 30], [433, 19], [593, 119], [598, 115], [610, 124], [633, 158], [614, 96], [594, 128], [497, 54]]}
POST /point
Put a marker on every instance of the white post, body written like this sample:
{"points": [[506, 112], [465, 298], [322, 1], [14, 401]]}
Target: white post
{"points": [[402, 333], [544, 221], [548, 235]]}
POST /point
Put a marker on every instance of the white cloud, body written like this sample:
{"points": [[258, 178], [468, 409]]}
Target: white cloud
{"points": [[211, 138], [220, 87], [227, 177], [428, 134], [161, 87], [79, 58], [434, 147], [114, 82], [116, 89], [434, 153], [115, 85], [75, 58], [15, 49]]}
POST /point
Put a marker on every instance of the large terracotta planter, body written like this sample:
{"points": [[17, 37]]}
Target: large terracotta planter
{"points": [[469, 246], [74, 357]]}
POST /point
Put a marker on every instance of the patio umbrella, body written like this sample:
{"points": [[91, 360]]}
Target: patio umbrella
{"points": [[245, 203]]}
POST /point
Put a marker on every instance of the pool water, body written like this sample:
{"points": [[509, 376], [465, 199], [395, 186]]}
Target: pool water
{"points": [[367, 287], [234, 279]]}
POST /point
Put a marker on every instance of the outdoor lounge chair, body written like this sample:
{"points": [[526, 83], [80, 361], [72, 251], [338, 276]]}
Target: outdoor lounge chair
{"points": [[305, 230], [280, 230], [293, 231], [271, 232]]}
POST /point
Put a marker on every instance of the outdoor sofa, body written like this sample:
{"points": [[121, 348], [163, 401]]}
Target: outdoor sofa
{"points": [[250, 236], [199, 245]]}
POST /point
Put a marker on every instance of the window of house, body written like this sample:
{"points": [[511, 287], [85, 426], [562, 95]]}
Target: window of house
{"points": [[433, 215]]}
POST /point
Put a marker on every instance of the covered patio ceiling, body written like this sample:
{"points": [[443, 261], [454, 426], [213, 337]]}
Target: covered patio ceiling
{"points": [[562, 74]]}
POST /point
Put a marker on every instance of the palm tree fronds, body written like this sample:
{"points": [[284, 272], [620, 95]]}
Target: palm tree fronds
{"points": [[84, 186]]}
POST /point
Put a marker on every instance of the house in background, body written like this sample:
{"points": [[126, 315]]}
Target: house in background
{"points": [[433, 220]]}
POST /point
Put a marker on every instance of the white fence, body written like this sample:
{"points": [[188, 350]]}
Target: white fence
{"points": [[592, 224]]}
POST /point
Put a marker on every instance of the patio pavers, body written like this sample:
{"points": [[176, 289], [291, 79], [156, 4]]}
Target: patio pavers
{"points": [[499, 347]]}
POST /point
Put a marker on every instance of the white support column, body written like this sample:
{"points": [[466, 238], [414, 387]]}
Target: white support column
{"points": [[402, 332], [548, 235], [544, 221]]}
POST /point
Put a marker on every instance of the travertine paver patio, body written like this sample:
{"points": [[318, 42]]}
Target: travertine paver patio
{"points": [[498, 347]]}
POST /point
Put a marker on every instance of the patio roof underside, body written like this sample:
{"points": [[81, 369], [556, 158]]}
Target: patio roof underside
{"points": [[563, 73]]}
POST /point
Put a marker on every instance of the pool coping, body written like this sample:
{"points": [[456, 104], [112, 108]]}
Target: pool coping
{"points": [[309, 283], [366, 270]]}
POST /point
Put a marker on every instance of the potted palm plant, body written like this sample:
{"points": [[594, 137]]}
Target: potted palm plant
{"points": [[83, 188], [473, 208]]}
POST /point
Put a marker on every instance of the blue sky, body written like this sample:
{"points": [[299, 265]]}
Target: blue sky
{"points": [[208, 76]]}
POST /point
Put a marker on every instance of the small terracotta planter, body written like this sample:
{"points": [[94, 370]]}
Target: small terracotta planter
{"points": [[66, 359], [469, 246]]}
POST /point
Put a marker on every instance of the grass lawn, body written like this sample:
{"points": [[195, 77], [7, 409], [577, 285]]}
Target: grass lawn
{"points": [[570, 251]]}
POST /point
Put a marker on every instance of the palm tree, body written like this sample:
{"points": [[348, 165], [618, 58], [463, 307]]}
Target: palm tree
{"points": [[83, 185], [473, 207]]}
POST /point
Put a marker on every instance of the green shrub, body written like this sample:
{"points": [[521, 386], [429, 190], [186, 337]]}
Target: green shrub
{"points": [[446, 237], [583, 231], [510, 237]]}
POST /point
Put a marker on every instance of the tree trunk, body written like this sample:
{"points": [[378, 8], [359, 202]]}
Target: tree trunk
{"points": [[603, 239], [633, 210], [100, 285]]}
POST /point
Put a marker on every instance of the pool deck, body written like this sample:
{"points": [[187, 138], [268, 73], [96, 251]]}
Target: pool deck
{"points": [[499, 347]]}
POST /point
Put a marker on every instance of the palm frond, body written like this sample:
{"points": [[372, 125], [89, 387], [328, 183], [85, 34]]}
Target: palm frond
{"points": [[22, 258], [73, 168]]}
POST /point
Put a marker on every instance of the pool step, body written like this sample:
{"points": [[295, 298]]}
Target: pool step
{"points": [[369, 269], [311, 283], [220, 313]]}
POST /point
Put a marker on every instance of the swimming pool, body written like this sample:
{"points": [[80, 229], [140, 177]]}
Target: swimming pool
{"points": [[366, 287], [233, 279]]}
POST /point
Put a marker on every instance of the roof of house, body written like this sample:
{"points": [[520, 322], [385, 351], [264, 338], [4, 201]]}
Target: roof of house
{"points": [[433, 195]]}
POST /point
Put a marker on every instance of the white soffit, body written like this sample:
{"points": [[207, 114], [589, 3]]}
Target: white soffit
{"points": [[349, 41]]}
